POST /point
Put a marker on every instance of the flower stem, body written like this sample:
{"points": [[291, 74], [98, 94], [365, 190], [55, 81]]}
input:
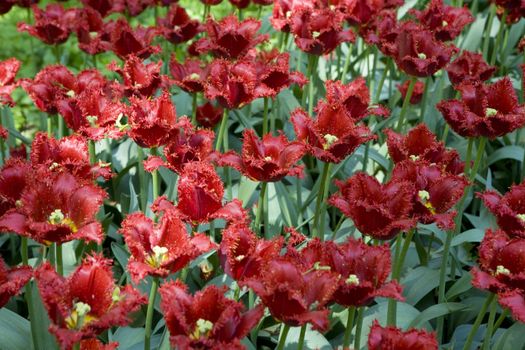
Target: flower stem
{"points": [[396, 274], [382, 80], [501, 318], [300, 346], [406, 102], [265, 117], [359, 327], [490, 325], [222, 129], [321, 197], [313, 62], [347, 64], [194, 109], [260, 208], [349, 326], [58, 259], [477, 322], [92, 152], [155, 176], [282, 339], [29, 294], [149, 313], [49, 126], [143, 197], [492, 13]]}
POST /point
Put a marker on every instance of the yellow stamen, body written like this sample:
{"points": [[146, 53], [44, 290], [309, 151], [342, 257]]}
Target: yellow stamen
{"points": [[424, 197], [202, 328], [330, 140], [353, 280], [490, 112], [501, 270]]}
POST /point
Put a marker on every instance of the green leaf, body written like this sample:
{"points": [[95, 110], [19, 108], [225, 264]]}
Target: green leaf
{"points": [[507, 152], [460, 286], [15, 331], [472, 40], [121, 254], [41, 323], [419, 282], [436, 311], [474, 235], [312, 339], [512, 338], [127, 337]]}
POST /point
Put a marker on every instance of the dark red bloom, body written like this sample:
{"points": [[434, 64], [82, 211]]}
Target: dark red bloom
{"points": [[445, 21], [436, 192], [417, 52], [318, 31], [126, 40], [501, 264], [178, 27], [243, 255], [508, 209], [229, 38], [12, 280], [282, 12], [190, 76], [268, 159], [19, 151], [87, 302], [240, 4], [391, 338], [160, 249], [200, 191], [56, 207], [152, 121], [68, 153], [364, 270], [207, 320], [209, 115], [294, 292], [8, 70], [361, 12], [188, 144], [52, 25], [489, 110], [234, 84], [380, 211], [104, 7], [95, 344], [139, 79], [89, 27], [273, 71], [515, 10], [469, 67], [421, 143], [328, 139], [13, 180], [381, 31], [417, 93], [211, 2]]}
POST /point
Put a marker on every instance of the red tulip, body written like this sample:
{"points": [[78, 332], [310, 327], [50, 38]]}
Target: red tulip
{"points": [[209, 115], [95, 344], [469, 67], [104, 7], [207, 320], [391, 338], [8, 70], [178, 27], [190, 76], [52, 25], [126, 40], [13, 180], [488, 110], [417, 93], [87, 302], [12, 280], [268, 159], [139, 79]]}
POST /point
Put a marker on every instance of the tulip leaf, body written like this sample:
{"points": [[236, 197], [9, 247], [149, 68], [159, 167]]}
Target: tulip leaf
{"points": [[436, 311], [507, 152], [419, 282], [15, 331], [460, 286], [512, 338], [41, 322], [474, 235], [312, 339]]}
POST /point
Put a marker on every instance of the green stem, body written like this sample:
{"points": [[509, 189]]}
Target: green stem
{"points": [[501, 318], [149, 313], [396, 273], [299, 195], [222, 129], [260, 208], [490, 325], [349, 326], [282, 339], [265, 117], [406, 102], [477, 322], [194, 109], [143, 197], [321, 197], [29, 295], [428, 80], [300, 346], [492, 14], [359, 327], [382, 80], [76, 346], [49, 126], [92, 152], [155, 177], [312, 64], [498, 38], [58, 259], [273, 117]]}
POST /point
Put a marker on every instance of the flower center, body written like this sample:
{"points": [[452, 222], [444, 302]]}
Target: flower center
{"points": [[268, 158], [118, 123], [501, 270], [202, 328], [521, 217], [159, 256], [316, 34], [330, 140], [490, 112], [424, 197], [92, 120], [70, 93], [422, 56], [352, 280], [444, 23], [414, 158], [58, 218], [194, 76], [79, 316]]}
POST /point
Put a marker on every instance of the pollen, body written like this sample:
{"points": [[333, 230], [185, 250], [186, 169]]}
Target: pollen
{"points": [[268, 159], [444, 23], [315, 34], [352, 280], [422, 56], [424, 197], [79, 316], [202, 328], [502, 270], [194, 76], [57, 217], [330, 140], [490, 112], [521, 217], [159, 256], [92, 120], [71, 93], [414, 158]]}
